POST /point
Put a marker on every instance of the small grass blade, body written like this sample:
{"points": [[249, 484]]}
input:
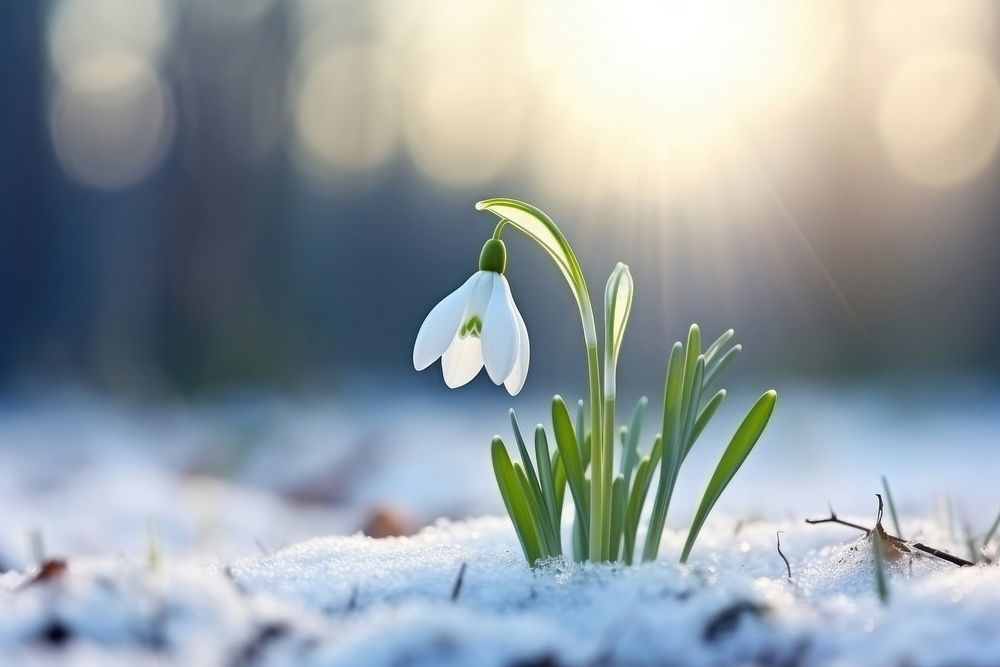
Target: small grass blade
{"points": [[881, 581], [992, 531], [515, 501], [739, 448], [879, 547], [892, 507]]}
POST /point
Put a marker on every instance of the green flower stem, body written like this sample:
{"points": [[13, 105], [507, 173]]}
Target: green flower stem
{"points": [[607, 470], [539, 228]]}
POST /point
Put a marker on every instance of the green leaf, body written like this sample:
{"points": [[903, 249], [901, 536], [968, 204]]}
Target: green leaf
{"points": [[525, 459], [537, 511], [582, 437], [739, 448], [692, 383], [892, 507], [617, 306], [540, 228], [570, 453], [618, 504], [706, 415], [515, 501], [672, 450], [559, 480], [693, 400], [630, 446], [717, 346], [581, 543], [549, 533], [713, 372], [547, 483], [878, 552]]}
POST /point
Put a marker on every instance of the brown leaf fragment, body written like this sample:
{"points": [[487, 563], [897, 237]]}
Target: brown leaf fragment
{"points": [[385, 521], [49, 571], [893, 548]]}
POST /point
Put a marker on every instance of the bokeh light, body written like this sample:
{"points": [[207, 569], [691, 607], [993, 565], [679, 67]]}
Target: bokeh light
{"points": [[111, 114], [940, 117], [345, 112], [111, 119], [464, 120], [82, 28]]}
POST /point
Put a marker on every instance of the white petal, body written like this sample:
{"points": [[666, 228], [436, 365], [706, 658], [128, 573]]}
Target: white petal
{"points": [[479, 296], [517, 376], [462, 361], [499, 332], [441, 324]]}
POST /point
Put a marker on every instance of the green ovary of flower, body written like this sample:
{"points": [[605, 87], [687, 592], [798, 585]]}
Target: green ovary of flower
{"points": [[472, 327]]}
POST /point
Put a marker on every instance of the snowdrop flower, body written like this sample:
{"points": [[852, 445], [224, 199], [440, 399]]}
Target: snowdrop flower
{"points": [[476, 325]]}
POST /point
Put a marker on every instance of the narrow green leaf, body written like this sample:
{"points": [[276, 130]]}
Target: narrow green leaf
{"points": [[637, 496], [566, 444], [548, 532], [717, 346], [537, 511], [619, 502], [672, 450], [547, 483], [582, 436], [707, 413], [693, 400], [515, 501], [581, 543], [630, 445], [739, 448], [559, 480], [713, 372], [881, 580], [529, 469], [643, 474]]}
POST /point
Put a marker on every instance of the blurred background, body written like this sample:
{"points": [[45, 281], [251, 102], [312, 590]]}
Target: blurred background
{"points": [[261, 199]]}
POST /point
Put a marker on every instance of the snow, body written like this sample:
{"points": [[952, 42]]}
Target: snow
{"points": [[237, 493], [362, 601]]}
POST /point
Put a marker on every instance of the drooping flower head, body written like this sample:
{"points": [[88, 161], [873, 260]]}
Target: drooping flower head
{"points": [[476, 325]]}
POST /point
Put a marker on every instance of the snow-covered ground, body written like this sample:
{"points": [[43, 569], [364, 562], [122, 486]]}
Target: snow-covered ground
{"points": [[254, 505], [357, 601]]}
